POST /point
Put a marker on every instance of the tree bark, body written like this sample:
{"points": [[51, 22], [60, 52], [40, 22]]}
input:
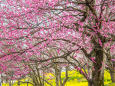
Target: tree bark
{"points": [[57, 76], [98, 73], [66, 77], [90, 83], [112, 73]]}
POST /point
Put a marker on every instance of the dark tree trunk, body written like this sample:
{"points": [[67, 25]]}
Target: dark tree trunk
{"points": [[112, 72], [57, 76], [98, 72], [90, 83]]}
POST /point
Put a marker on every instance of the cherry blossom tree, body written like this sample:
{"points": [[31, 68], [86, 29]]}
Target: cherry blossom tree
{"points": [[28, 27]]}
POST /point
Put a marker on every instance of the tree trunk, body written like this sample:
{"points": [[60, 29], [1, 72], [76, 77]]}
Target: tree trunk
{"points": [[10, 83], [18, 83], [66, 77], [57, 76], [60, 80], [98, 71], [34, 80], [90, 83], [112, 73]]}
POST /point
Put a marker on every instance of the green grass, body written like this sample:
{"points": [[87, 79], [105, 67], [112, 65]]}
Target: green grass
{"points": [[75, 79]]}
